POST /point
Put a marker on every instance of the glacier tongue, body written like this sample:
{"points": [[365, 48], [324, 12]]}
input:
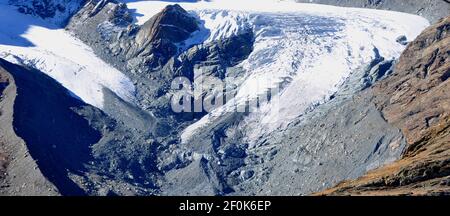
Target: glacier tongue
{"points": [[328, 48], [50, 49], [310, 49]]}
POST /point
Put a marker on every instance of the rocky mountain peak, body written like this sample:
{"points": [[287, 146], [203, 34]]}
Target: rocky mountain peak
{"points": [[157, 38], [173, 23]]}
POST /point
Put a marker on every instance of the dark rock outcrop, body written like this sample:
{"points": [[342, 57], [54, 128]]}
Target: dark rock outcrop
{"points": [[101, 24], [172, 23], [156, 39], [107, 26]]}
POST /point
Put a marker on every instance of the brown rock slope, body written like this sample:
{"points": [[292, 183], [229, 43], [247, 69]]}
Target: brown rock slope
{"points": [[416, 99]]}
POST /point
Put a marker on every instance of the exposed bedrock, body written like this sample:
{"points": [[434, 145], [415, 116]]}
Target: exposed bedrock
{"points": [[156, 40], [109, 28]]}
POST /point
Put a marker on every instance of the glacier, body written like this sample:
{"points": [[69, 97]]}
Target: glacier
{"points": [[311, 49], [313, 52]]}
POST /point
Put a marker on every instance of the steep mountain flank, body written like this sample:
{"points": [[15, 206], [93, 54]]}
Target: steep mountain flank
{"points": [[158, 37], [415, 98], [433, 10], [70, 142], [19, 172], [44, 117]]}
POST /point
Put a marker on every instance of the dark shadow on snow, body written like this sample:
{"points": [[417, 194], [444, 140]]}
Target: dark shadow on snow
{"points": [[14, 24]]}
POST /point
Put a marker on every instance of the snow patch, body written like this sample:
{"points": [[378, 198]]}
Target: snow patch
{"points": [[61, 56]]}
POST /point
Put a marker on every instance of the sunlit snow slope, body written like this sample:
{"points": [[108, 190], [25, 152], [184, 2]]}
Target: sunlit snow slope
{"points": [[309, 48], [35, 42]]}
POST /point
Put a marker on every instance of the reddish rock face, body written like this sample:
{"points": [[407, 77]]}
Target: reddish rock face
{"points": [[173, 24], [156, 39], [416, 99]]}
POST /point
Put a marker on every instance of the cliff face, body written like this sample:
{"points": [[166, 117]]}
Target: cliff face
{"points": [[433, 10], [415, 99], [108, 26]]}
